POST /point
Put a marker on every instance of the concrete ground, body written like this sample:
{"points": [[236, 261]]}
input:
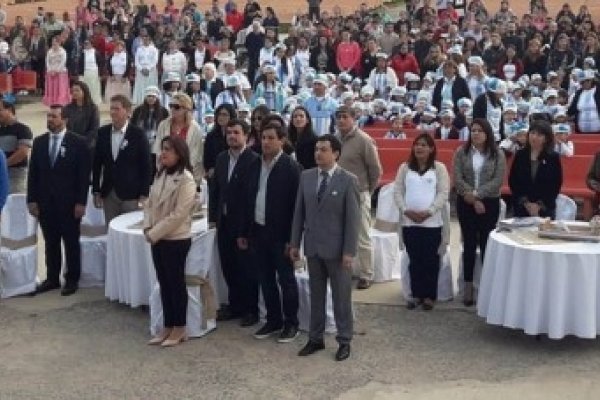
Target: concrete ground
{"points": [[85, 347]]}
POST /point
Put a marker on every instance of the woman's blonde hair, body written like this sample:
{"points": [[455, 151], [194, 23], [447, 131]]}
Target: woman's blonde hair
{"points": [[185, 102]]}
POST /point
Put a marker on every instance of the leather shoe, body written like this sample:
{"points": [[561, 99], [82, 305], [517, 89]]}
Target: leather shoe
{"points": [[225, 314], [69, 289], [363, 284], [310, 348], [46, 286], [343, 352], [249, 320]]}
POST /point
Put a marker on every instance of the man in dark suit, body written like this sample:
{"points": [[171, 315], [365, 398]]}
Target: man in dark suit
{"points": [[122, 168], [226, 212], [199, 55], [327, 213], [273, 183], [57, 189]]}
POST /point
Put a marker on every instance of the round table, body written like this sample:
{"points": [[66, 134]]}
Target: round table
{"points": [[550, 289], [130, 272]]}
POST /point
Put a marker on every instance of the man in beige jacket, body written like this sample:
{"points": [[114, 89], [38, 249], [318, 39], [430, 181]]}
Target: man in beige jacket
{"points": [[360, 157]]}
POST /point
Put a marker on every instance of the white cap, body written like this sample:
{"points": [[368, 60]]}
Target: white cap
{"points": [[564, 129], [475, 60], [549, 93], [192, 78], [367, 90], [411, 77], [322, 79], [232, 81], [381, 54], [464, 102], [398, 91], [152, 91], [268, 68], [510, 107], [430, 111], [447, 113], [244, 107], [172, 77]]}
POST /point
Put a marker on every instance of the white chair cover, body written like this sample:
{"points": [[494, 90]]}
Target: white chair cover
{"points": [[566, 208], [478, 265], [445, 285], [199, 261], [18, 266], [304, 302], [93, 246], [384, 237]]}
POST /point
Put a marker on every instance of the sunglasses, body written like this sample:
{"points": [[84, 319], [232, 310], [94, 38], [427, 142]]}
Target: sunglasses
{"points": [[175, 106]]}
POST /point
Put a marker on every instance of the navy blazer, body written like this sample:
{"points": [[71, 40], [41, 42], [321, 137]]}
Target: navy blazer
{"points": [[460, 89], [545, 187], [60, 187], [230, 194], [282, 186], [129, 174]]}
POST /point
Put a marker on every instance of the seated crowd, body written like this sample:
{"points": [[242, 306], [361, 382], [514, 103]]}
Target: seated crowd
{"points": [[218, 96]]}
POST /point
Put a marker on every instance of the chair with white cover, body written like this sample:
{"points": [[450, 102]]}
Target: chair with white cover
{"points": [[93, 246], [566, 208], [477, 269], [201, 307], [384, 237], [18, 254], [445, 282]]}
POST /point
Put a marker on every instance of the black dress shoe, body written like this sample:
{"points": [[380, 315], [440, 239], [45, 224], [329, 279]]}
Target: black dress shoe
{"points": [[363, 284], [69, 289], [226, 314], [249, 320], [343, 352], [46, 286], [310, 348]]}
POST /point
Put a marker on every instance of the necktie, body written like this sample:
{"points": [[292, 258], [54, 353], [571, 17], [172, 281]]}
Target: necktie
{"points": [[322, 185], [54, 150]]}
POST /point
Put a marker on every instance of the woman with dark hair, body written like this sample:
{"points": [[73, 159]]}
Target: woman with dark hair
{"points": [[82, 114], [511, 66], [433, 60], [421, 193], [489, 106], [256, 122], [303, 137], [150, 113], [536, 174], [451, 87], [168, 228], [585, 106], [271, 21], [478, 173], [562, 57], [216, 140], [534, 60], [322, 56]]}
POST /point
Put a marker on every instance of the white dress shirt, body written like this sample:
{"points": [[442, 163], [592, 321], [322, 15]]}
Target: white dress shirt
{"points": [[261, 196], [60, 136], [117, 138]]}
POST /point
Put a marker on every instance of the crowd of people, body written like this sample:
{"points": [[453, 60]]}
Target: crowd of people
{"points": [[221, 95]]}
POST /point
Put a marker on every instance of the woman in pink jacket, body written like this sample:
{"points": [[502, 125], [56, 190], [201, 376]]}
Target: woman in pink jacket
{"points": [[348, 54]]}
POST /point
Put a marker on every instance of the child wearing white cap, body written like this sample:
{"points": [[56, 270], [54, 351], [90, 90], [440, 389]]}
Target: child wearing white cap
{"points": [[382, 78], [428, 123], [516, 138], [562, 145], [509, 116], [200, 99], [446, 130], [463, 119], [476, 76]]}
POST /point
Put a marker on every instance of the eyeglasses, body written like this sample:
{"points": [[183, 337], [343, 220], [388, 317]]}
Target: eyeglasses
{"points": [[175, 106]]}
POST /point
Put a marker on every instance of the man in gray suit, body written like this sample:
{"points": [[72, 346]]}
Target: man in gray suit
{"points": [[328, 214]]}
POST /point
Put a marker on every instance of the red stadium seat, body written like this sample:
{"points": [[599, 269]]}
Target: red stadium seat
{"points": [[6, 85]]}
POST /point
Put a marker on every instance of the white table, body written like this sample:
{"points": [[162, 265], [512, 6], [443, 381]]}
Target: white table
{"points": [[541, 289], [130, 272]]}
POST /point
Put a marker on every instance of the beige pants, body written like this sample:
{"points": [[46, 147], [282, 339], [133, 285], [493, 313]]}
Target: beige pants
{"points": [[113, 206], [365, 249]]}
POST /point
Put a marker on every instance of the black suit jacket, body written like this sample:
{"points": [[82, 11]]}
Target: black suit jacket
{"points": [[282, 186], [544, 188], [129, 174], [216, 88], [460, 89], [192, 59], [60, 187], [230, 193]]}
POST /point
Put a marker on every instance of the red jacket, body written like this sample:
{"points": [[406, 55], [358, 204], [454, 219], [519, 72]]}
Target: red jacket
{"points": [[235, 20], [402, 64], [347, 56]]}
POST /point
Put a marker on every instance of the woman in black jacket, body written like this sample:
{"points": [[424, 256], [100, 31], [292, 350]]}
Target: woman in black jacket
{"points": [[303, 137], [322, 57], [82, 114], [452, 86], [535, 177], [216, 140]]}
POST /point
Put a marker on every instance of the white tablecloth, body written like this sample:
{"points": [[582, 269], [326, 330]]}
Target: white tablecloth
{"points": [[541, 289], [130, 272]]}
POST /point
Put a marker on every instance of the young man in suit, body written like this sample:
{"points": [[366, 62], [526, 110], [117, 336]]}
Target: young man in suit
{"points": [[327, 213], [57, 190], [226, 213], [273, 184], [122, 166]]}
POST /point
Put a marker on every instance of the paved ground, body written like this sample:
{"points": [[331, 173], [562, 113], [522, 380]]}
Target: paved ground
{"points": [[85, 347]]}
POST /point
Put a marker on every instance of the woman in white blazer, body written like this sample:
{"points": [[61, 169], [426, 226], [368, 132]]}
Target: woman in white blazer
{"points": [[181, 123], [168, 228]]}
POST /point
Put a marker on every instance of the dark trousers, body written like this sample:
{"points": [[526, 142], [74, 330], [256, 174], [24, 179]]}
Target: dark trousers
{"points": [[61, 226], [239, 273], [475, 229], [314, 13], [169, 262], [272, 264], [422, 247]]}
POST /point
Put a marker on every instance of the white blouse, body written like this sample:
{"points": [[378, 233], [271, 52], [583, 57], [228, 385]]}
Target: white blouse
{"points": [[146, 57], [175, 62], [420, 194], [199, 58], [118, 63], [89, 60], [56, 60]]}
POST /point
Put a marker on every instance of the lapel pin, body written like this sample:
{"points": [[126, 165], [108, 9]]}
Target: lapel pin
{"points": [[334, 193], [124, 144], [63, 150]]}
